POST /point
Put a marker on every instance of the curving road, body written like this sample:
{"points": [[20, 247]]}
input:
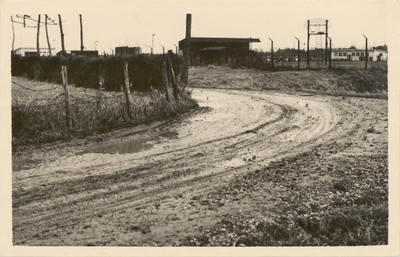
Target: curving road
{"points": [[154, 195]]}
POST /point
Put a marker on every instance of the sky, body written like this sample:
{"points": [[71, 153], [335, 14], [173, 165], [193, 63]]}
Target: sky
{"points": [[107, 24]]}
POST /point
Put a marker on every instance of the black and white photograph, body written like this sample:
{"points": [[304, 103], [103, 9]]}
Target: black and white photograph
{"points": [[187, 128]]}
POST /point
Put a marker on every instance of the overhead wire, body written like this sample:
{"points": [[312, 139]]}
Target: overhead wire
{"points": [[27, 17]]}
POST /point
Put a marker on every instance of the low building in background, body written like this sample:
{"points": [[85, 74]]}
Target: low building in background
{"points": [[208, 50], [90, 53], [379, 55], [359, 54], [209, 55], [125, 50], [30, 51]]}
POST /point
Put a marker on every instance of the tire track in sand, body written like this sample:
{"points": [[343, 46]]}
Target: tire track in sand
{"points": [[210, 149]]}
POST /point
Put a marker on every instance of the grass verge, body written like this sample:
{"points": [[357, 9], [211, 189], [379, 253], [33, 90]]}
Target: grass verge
{"points": [[44, 121], [336, 82]]}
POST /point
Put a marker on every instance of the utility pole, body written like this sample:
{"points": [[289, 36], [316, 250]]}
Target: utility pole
{"points": [[298, 53], [37, 36], [152, 44], [62, 36], [163, 49], [80, 19], [308, 43], [47, 33], [326, 41], [272, 53], [12, 23], [330, 52], [366, 52]]}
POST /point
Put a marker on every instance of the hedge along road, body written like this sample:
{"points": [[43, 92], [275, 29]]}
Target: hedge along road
{"points": [[160, 194]]}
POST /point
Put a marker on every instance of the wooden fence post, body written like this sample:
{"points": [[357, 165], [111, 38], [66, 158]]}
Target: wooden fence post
{"points": [[67, 104], [165, 80], [171, 76], [126, 89], [178, 71]]}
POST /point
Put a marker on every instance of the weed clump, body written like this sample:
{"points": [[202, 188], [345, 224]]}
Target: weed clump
{"points": [[359, 225]]}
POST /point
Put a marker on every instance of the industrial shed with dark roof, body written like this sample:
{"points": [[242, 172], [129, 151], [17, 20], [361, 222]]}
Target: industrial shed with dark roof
{"points": [[217, 50]]}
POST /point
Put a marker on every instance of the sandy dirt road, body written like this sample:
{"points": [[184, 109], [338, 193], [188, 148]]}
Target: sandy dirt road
{"points": [[75, 196]]}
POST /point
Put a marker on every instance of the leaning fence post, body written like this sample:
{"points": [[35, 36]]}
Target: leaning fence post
{"points": [[126, 89], [172, 78], [165, 79], [65, 85]]}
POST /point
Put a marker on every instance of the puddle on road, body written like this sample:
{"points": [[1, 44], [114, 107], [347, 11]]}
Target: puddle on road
{"points": [[132, 145], [168, 134], [233, 163]]}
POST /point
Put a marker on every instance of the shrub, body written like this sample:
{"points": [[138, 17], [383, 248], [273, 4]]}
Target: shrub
{"points": [[51, 67], [113, 73], [18, 65], [144, 70], [33, 68], [84, 71]]}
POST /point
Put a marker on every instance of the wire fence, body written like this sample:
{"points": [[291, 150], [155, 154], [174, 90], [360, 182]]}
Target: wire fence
{"points": [[27, 88], [262, 61], [90, 111], [55, 100]]}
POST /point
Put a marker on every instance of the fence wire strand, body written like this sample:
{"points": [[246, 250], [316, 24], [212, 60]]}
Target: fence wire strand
{"points": [[48, 89], [74, 99]]}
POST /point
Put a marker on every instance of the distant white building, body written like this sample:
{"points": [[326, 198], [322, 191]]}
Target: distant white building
{"points": [[378, 55], [359, 54], [27, 51]]}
